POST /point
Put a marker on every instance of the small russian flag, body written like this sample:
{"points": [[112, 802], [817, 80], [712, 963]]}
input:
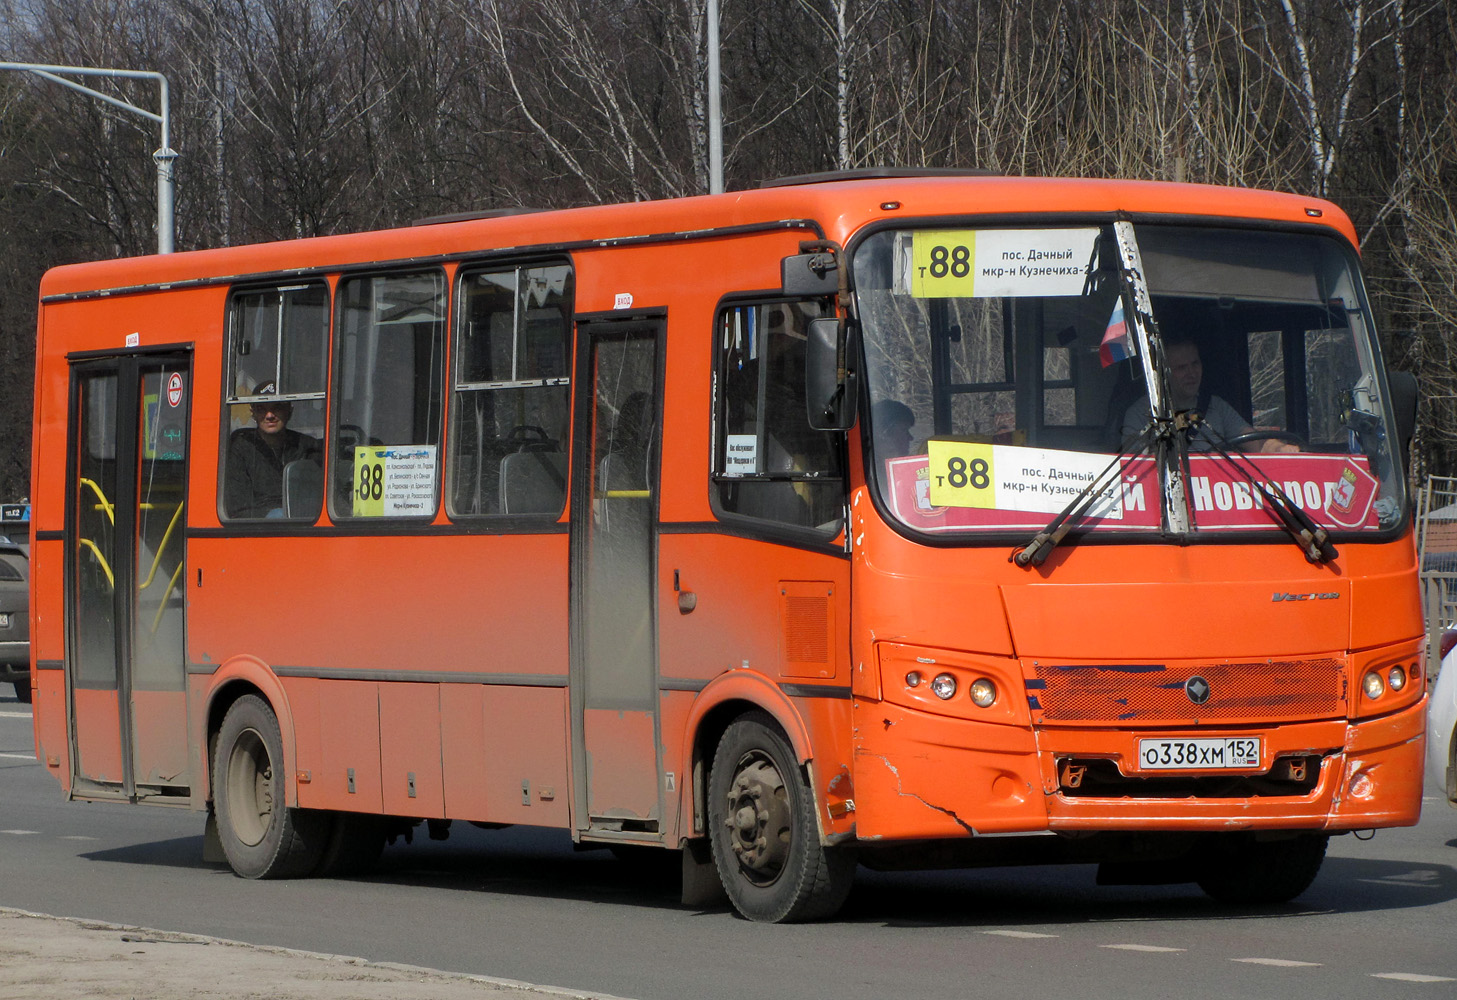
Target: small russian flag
{"points": [[1116, 346]]}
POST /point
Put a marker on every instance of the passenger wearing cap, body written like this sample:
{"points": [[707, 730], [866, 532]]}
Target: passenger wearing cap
{"points": [[258, 454], [892, 421]]}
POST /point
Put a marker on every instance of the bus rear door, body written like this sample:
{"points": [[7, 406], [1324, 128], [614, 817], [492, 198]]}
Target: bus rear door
{"points": [[125, 532]]}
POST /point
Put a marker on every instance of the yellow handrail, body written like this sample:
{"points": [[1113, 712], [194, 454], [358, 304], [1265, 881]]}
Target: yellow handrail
{"points": [[87, 543], [105, 503], [171, 586], [157, 556]]}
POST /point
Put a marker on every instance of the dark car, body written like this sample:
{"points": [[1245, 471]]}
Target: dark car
{"points": [[15, 617]]}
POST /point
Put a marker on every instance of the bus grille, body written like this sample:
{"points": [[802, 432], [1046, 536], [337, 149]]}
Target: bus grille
{"points": [[1275, 690]]}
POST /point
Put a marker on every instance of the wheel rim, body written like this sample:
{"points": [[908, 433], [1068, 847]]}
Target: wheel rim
{"points": [[250, 788], [759, 819]]}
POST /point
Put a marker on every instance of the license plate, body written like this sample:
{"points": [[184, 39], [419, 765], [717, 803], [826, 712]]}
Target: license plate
{"points": [[1205, 754]]}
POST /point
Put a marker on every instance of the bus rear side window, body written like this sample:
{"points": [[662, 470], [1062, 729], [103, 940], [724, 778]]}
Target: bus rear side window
{"points": [[509, 413], [388, 367]]}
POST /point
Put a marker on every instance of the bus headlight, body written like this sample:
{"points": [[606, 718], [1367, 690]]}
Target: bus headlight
{"points": [[983, 692], [944, 687], [1396, 678], [1373, 685]]}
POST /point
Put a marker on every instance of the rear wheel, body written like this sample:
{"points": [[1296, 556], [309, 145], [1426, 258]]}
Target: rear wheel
{"points": [[766, 842], [1246, 870], [261, 836]]}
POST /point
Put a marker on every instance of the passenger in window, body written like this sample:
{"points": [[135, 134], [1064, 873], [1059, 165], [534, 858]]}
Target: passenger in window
{"points": [[1220, 421], [257, 456], [893, 421]]}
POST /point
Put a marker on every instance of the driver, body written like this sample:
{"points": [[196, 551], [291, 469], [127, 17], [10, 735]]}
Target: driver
{"points": [[1220, 422]]}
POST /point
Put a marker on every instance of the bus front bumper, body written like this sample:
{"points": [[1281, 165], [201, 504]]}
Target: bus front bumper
{"points": [[917, 777]]}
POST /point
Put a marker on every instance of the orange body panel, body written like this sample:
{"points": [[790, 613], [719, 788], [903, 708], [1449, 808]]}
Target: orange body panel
{"points": [[436, 658]]}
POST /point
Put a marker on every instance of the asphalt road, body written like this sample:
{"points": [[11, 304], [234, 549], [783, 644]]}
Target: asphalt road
{"points": [[521, 904]]}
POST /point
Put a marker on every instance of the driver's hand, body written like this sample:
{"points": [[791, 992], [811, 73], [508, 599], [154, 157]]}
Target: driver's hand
{"points": [[1276, 446]]}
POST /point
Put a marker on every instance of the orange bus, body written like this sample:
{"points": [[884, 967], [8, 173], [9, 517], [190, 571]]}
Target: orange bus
{"points": [[906, 519]]}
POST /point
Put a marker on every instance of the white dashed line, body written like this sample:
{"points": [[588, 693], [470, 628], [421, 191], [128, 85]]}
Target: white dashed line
{"points": [[14, 715], [1412, 977], [21, 833], [75, 837], [1282, 963], [18, 756], [1139, 947], [1020, 934]]}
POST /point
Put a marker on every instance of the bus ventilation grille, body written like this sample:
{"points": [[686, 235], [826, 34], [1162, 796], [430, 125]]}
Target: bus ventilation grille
{"points": [[806, 629], [1274, 690]]}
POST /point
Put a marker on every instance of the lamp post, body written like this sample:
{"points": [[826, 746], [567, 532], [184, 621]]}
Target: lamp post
{"points": [[715, 116], [165, 154]]}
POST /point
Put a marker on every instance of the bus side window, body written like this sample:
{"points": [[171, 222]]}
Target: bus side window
{"points": [[769, 464], [278, 339], [387, 396], [509, 412]]}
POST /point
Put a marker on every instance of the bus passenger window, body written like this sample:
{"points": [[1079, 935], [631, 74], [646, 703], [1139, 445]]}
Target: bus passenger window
{"points": [[769, 463], [387, 396], [278, 353], [509, 412]]}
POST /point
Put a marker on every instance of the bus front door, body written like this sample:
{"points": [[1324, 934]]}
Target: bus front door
{"points": [[613, 689], [126, 663]]}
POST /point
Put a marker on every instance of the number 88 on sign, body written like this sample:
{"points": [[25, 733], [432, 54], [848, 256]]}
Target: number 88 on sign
{"points": [[961, 474]]}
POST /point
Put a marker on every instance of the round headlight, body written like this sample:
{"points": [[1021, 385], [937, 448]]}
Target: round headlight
{"points": [[913, 679], [1373, 685], [983, 692], [1396, 678], [944, 686]]}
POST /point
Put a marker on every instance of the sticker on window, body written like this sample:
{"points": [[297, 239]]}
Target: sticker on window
{"points": [[992, 263], [394, 480]]}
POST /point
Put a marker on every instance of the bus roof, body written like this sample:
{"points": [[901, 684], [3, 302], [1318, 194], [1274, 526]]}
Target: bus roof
{"points": [[839, 206]]}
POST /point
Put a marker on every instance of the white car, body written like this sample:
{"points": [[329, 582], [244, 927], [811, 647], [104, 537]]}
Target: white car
{"points": [[1441, 720]]}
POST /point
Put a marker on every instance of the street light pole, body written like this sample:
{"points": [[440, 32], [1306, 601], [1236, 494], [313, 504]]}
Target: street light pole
{"points": [[165, 154], [715, 115]]}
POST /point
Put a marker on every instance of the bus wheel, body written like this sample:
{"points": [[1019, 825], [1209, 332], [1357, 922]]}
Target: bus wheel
{"points": [[766, 842], [356, 840], [261, 836], [1263, 871]]}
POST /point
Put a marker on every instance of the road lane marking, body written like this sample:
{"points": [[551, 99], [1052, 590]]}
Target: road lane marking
{"points": [[1412, 977], [1020, 934], [76, 836], [14, 715], [21, 833], [18, 756], [1139, 947], [1281, 963]]}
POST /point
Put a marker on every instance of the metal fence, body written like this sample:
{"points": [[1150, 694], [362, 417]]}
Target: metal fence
{"points": [[1437, 549]]}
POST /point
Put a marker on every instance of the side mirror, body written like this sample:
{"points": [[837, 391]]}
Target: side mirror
{"points": [[1404, 393], [830, 389], [810, 274]]}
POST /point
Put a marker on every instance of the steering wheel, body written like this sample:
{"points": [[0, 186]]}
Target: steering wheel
{"points": [[1267, 435]]}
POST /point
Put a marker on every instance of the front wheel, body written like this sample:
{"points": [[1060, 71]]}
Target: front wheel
{"points": [[1245, 870], [766, 842], [261, 836]]}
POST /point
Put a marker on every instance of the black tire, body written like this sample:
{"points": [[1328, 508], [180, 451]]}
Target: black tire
{"points": [[766, 841], [1245, 870], [22, 691], [356, 841], [260, 835]]}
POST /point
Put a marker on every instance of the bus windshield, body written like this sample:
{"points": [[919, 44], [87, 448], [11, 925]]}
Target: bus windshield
{"points": [[1008, 368]]}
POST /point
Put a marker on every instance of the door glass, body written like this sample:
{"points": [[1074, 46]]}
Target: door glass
{"points": [[619, 645], [95, 555], [157, 650]]}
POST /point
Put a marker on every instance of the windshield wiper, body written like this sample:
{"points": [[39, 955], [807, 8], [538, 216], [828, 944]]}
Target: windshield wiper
{"points": [[1035, 552], [1313, 540]]}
